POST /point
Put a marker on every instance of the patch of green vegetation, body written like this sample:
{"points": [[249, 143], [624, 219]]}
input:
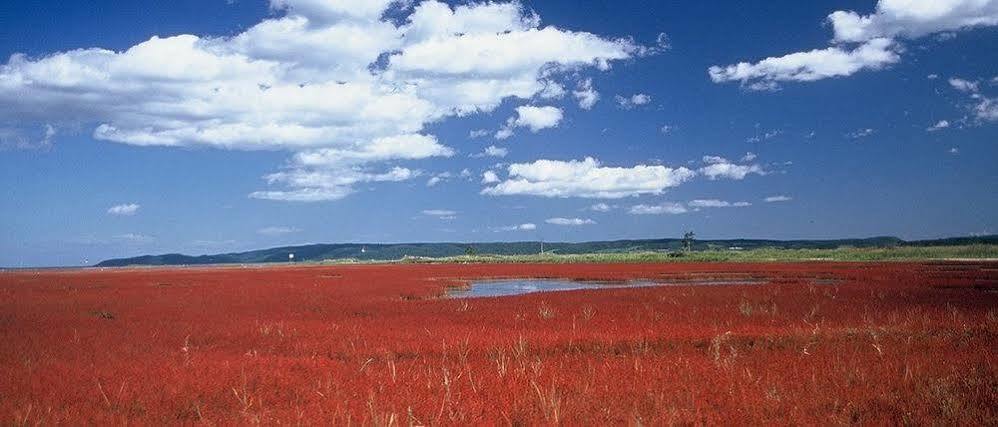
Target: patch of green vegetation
{"points": [[900, 253]]}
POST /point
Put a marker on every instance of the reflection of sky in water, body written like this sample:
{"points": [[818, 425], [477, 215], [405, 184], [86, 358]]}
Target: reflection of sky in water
{"points": [[498, 288], [509, 287]]}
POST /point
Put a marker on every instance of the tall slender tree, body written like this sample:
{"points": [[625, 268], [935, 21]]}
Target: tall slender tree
{"points": [[688, 240]]}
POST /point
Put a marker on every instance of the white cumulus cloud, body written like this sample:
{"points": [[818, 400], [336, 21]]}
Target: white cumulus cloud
{"points": [[533, 118], [490, 177], [719, 167], [778, 199], [807, 66], [587, 178], [586, 94], [323, 185], [337, 80], [964, 85], [862, 42], [984, 108], [628, 102], [492, 151], [913, 18], [438, 178]]}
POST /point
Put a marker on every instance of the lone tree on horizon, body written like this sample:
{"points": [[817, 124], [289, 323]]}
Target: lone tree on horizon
{"points": [[688, 241]]}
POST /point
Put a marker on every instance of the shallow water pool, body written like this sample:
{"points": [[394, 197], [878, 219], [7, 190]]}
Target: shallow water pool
{"points": [[510, 287]]}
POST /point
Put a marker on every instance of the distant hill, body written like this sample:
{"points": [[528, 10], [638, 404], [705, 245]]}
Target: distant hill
{"points": [[392, 251]]}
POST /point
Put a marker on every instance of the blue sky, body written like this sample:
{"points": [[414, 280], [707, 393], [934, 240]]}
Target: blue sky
{"points": [[247, 124]]}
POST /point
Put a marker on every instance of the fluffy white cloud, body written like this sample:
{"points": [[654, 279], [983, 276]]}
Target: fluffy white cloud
{"points": [[628, 102], [537, 118], [586, 178], [490, 177], [492, 151], [586, 94], [322, 78], [714, 203], [777, 199], [964, 85], [719, 167], [401, 147], [278, 230], [533, 118], [552, 90], [913, 18], [874, 36], [808, 66], [504, 133], [323, 185], [985, 108], [330, 173], [438, 178], [574, 222], [332, 10], [126, 209], [516, 49], [670, 208]]}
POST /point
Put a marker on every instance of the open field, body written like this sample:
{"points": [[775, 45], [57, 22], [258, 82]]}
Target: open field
{"points": [[817, 343]]}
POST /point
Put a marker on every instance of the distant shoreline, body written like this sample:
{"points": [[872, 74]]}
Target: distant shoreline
{"points": [[954, 253], [360, 252]]}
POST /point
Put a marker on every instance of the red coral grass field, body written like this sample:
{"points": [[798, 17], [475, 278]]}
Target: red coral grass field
{"points": [[812, 343]]}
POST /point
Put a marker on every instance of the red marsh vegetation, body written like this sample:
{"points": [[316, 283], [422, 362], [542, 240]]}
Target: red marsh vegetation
{"points": [[814, 343]]}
